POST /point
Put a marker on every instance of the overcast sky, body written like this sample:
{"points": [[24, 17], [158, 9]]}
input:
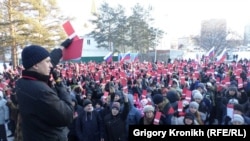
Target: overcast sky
{"points": [[176, 17]]}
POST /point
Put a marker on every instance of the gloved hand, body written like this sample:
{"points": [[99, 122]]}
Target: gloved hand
{"points": [[55, 74], [176, 113], [56, 77], [227, 120], [66, 43]]}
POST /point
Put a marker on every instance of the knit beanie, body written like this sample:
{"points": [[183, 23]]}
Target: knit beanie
{"points": [[238, 118], [148, 108], [233, 101], [116, 105], [239, 107], [172, 96], [32, 55], [189, 116], [86, 102], [194, 104], [157, 98], [194, 92], [198, 95]]}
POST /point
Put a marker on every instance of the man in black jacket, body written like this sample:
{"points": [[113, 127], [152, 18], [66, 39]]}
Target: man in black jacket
{"points": [[45, 113]]}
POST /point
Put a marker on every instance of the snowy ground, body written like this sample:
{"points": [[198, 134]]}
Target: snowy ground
{"points": [[194, 55], [243, 55]]}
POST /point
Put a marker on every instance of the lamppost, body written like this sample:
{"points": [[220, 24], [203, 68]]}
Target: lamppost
{"points": [[156, 38]]}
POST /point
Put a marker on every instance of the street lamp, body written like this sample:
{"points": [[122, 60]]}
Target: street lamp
{"points": [[156, 38]]}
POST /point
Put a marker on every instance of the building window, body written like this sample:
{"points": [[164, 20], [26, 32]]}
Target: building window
{"points": [[88, 42]]}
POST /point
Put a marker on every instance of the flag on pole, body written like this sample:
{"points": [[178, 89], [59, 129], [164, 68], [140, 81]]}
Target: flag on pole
{"points": [[125, 57], [109, 57], [136, 58], [210, 53], [222, 57]]}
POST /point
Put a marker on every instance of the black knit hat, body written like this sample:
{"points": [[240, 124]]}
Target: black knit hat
{"points": [[157, 98], [86, 102], [189, 116], [116, 105], [239, 107], [32, 55]]}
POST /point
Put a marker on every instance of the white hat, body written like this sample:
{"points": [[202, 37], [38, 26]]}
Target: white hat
{"points": [[233, 101], [198, 95], [194, 104], [195, 91], [209, 84], [144, 102], [238, 118], [148, 108]]}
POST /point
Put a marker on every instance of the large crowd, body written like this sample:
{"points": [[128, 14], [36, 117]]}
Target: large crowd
{"points": [[108, 97]]}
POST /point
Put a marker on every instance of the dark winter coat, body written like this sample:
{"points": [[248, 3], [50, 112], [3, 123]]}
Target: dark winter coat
{"points": [[115, 126], [89, 126], [45, 113]]}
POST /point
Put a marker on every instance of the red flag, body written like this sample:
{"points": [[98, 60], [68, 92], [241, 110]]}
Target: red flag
{"points": [[188, 95], [144, 93], [230, 109], [74, 51], [157, 118], [240, 83], [180, 106], [68, 28], [106, 94]]}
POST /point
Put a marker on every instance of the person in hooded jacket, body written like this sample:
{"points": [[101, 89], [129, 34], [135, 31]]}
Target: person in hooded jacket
{"points": [[89, 124], [115, 122], [134, 114]]}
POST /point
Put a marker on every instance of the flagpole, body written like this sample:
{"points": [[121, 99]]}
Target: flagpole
{"points": [[155, 54], [214, 55]]}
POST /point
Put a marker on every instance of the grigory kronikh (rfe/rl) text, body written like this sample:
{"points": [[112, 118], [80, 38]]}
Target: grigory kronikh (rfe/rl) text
{"points": [[210, 133]]}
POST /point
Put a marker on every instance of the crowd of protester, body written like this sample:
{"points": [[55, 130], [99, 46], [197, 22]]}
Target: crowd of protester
{"points": [[108, 97]]}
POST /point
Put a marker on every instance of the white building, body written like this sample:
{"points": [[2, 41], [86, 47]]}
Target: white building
{"points": [[90, 48]]}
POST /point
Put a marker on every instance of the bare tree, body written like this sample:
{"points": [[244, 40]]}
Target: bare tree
{"points": [[213, 34], [29, 22]]}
